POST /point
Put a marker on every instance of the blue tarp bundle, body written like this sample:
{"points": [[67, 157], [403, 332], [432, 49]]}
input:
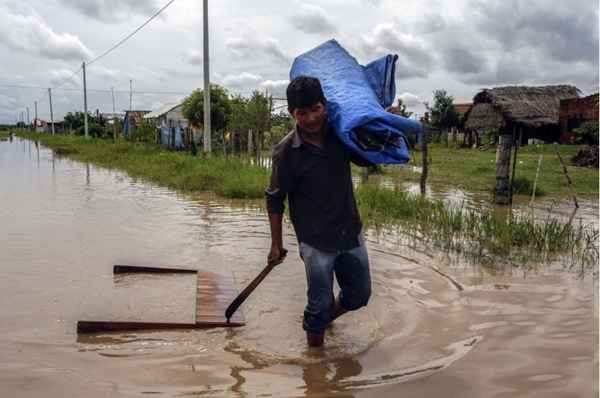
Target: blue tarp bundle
{"points": [[356, 100]]}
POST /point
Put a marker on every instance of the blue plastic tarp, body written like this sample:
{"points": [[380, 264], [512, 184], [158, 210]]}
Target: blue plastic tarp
{"points": [[356, 100]]}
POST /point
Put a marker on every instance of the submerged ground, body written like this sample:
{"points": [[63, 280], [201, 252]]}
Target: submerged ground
{"points": [[439, 324]]}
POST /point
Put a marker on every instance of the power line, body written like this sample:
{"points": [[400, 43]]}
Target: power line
{"points": [[131, 34]]}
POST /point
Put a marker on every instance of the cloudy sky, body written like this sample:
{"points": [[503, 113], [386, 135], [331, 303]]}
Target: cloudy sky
{"points": [[460, 46]]}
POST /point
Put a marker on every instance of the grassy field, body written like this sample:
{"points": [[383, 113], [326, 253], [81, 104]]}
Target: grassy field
{"points": [[474, 170], [4, 135], [465, 231]]}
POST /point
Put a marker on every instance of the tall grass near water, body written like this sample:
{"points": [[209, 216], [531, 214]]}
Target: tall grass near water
{"points": [[518, 238]]}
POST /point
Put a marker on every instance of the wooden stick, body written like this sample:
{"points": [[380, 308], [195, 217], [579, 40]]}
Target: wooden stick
{"points": [[569, 183], [537, 173], [235, 304]]}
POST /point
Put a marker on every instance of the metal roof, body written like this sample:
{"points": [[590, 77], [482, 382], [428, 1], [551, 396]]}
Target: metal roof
{"points": [[161, 111]]}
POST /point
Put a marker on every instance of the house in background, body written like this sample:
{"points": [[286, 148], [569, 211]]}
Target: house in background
{"points": [[131, 120], [42, 126], [576, 111], [532, 110], [173, 131]]}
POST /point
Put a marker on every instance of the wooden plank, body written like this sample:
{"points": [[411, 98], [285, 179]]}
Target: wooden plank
{"points": [[114, 326], [215, 293], [121, 269]]}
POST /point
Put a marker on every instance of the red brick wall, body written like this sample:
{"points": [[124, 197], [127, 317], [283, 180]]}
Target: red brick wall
{"points": [[576, 111]]}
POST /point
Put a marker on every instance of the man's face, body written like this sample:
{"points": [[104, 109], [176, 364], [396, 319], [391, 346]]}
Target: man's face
{"points": [[311, 119]]}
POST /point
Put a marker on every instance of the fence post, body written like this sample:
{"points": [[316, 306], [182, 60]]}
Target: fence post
{"points": [[569, 183], [424, 160], [501, 191]]}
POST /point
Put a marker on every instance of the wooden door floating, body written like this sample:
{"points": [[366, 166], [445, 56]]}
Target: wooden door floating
{"points": [[214, 292]]}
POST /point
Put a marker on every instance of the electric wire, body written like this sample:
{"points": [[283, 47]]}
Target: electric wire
{"points": [[157, 13]]}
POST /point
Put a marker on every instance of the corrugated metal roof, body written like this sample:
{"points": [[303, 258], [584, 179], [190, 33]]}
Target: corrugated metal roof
{"points": [[161, 111]]}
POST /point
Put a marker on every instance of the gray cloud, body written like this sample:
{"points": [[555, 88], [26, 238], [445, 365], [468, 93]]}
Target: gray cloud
{"points": [[255, 49], [30, 34], [463, 60], [113, 11], [193, 57], [65, 78], [276, 87], [431, 23], [244, 79], [410, 99], [414, 58], [313, 19], [565, 32]]}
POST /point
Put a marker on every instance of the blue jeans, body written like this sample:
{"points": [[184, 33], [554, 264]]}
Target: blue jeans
{"points": [[351, 269]]}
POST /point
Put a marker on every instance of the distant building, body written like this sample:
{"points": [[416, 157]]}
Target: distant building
{"points": [[172, 125], [532, 110], [42, 126], [576, 111], [131, 120]]}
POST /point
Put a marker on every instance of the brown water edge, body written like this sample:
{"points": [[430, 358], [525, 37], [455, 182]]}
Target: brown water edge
{"points": [[434, 327]]}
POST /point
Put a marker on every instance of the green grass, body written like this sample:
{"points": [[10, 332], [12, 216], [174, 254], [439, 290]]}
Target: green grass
{"points": [[477, 231], [474, 170], [231, 178], [4, 135]]}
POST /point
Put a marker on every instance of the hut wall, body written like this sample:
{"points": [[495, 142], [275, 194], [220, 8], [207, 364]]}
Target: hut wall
{"points": [[574, 112]]}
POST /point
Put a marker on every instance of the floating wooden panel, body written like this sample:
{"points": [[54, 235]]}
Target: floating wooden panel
{"points": [[214, 292]]}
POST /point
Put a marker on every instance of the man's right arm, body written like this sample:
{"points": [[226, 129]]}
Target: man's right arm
{"points": [[275, 195]]}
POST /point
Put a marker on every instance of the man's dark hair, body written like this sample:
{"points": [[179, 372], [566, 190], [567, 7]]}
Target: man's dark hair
{"points": [[303, 92]]}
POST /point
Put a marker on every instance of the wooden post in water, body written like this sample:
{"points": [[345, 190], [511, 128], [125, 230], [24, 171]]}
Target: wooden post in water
{"points": [[569, 183], [516, 146], [501, 192], [51, 113], [424, 160]]}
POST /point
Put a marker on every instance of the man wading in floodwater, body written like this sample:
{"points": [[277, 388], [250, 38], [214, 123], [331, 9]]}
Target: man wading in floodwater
{"points": [[311, 167]]}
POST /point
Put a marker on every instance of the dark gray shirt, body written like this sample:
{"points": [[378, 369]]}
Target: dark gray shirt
{"points": [[318, 185]]}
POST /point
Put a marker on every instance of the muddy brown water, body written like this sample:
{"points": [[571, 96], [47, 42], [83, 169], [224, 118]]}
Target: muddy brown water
{"points": [[433, 328]]}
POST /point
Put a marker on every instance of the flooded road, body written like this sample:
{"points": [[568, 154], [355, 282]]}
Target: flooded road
{"points": [[434, 327]]}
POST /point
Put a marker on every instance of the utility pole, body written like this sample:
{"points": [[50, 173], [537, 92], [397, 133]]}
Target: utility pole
{"points": [[130, 94], [114, 116], [207, 129], [35, 120], [85, 111], [51, 113], [28, 120]]}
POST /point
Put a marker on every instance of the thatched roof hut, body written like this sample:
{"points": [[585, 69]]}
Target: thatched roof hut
{"points": [[533, 109]]}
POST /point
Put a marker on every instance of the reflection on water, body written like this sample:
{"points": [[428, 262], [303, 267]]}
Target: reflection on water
{"points": [[436, 325]]}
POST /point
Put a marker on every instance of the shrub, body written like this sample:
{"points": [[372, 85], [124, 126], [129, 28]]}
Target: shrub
{"points": [[587, 134]]}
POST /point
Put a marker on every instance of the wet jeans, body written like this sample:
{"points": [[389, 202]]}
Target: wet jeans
{"points": [[351, 269]]}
